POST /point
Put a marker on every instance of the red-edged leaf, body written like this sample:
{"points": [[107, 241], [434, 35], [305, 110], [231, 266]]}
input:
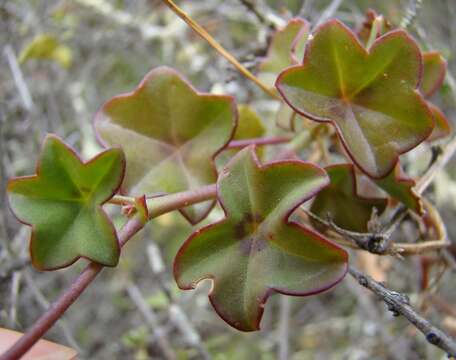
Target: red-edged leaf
{"points": [[442, 127], [255, 250], [370, 96], [434, 70], [340, 200], [170, 134], [62, 203], [286, 48], [401, 187]]}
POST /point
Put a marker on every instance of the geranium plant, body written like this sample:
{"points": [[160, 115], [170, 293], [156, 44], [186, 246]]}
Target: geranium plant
{"points": [[288, 222]]}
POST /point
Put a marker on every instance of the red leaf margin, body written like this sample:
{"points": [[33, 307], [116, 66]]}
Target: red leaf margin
{"points": [[367, 52], [13, 180], [308, 231], [305, 26], [401, 177], [354, 185], [149, 77], [443, 70], [443, 127]]}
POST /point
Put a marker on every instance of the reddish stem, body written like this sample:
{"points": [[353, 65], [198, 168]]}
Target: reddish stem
{"points": [[57, 309], [273, 140], [158, 207]]}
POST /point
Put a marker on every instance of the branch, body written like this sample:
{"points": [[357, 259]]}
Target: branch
{"points": [[17, 265], [272, 140], [447, 153], [18, 77], [250, 6], [375, 242], [399, 304], [219, 48], [158, 206]]}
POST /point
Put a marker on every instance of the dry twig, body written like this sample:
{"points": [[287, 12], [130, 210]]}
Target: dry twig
{"points": [[399, 304]]}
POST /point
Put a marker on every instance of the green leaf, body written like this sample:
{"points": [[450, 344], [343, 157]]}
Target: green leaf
{"points": [[442, 127], [250, 125], [47, 47], [340, 200], [370, 96], [62, 203], [401, 188], [255, 250], [434, 70], [286, 48], [170, 134]]}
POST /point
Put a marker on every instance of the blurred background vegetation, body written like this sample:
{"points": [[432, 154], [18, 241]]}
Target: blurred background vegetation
{"points": [[61, 60]]}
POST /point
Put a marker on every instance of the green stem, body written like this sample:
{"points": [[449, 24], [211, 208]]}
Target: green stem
{"points": [[300, 141], [376, 29]]}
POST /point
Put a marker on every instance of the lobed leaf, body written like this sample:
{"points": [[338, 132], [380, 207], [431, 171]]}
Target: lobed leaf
{"points": [[401, 188], [341, 202], [62, 203], [434, 70], [442, 127], [286, 48], [170, 134], [249, 125], [255, 250], [370, 96]]}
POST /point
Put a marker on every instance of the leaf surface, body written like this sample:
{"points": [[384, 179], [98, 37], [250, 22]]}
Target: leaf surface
{"points": [[442, 127], [256, 251], [286, 48], [62, 203], [434, 70], [342, 203], [170, 134], [250, 125], [47, 47], [401, 188], [370, 96]]}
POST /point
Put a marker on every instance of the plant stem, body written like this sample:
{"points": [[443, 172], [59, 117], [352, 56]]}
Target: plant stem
{"points": [[219, 48], [162, 204], [158, 206], [272, 140], [58, 308], [300, 141], [399, 305], [122, 200], [362, 241], [375, 31]]}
